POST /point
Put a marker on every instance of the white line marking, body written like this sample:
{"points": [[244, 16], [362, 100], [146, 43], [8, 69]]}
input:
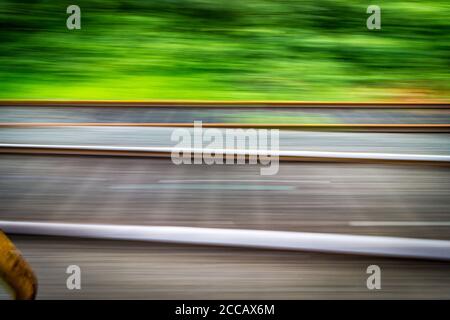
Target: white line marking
{"points": [[280, 153], [399, 223], [300, 241]]}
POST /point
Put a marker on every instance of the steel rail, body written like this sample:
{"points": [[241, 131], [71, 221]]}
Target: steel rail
{"points": [[263, 239], [284, 155]]}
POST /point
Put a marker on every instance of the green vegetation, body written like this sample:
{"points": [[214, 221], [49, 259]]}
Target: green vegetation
{"points": [[225, 50]]}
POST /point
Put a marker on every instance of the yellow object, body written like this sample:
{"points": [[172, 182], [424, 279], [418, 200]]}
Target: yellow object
{"points": [[15, 271]]}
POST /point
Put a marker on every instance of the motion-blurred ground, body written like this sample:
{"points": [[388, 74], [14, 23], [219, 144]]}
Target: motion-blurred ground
{"points": [[302, 197]]}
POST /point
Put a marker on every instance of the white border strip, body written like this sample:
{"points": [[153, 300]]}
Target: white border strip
{"points": [[272, 153], [301, 241]]}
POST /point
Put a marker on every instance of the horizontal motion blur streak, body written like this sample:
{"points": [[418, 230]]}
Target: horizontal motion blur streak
{"points": [[161, 151], [282, 240]]}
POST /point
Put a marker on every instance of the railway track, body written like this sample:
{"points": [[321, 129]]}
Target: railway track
{"points": [[102, 189], [222, 104], [368, 127], [371, 117]]}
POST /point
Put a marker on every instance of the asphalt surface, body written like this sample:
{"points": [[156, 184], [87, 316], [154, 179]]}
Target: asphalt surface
{"points": [[299, 115]]}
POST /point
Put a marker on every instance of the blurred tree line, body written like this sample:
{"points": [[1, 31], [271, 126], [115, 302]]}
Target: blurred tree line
{"points": [[225, 49]]}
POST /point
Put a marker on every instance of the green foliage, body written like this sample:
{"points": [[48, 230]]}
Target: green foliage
{"points": [[217, 49]]}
